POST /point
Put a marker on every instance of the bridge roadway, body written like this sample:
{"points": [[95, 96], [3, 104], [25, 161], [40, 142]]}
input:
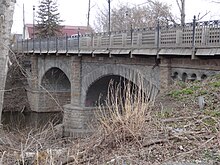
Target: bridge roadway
{"points": [[69, 74]]}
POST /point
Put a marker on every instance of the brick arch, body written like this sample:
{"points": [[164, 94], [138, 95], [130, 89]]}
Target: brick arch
{"points": [[131, 74], [46, 68], [60, 78]]}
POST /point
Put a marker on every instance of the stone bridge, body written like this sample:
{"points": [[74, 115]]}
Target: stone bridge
{"points": [[69, 74], [78, 81]]}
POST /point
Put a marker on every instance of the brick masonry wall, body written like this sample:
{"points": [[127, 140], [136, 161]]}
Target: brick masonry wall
{"points": [[140, 71], [75, 77], [85, 70], [198, 67], [165, 73], [77, 121], [53, 101]]}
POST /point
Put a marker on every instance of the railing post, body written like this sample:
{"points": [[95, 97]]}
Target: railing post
{"points": [[22, 46], [158, 38], [131, 36], [99, 40], [92, 41], [48, 45], [205, 32], [179, 34], [27, 47], [40, 45], [193, 37], [17, 45], [56, 44], [33, 44], [78, 42], [124, 37], [110, 44], [66, 43], [139, 38]]}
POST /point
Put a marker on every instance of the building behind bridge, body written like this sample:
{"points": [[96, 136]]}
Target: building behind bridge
{"points": [[66, 30]]}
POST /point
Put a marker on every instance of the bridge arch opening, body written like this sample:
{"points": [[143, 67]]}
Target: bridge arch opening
{"points": [[193, 77], [184, 77], [203, 77], [175, 75], [55, 90], [55, 80], [97, 93]]}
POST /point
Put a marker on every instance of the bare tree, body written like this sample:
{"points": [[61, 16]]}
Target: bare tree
{"points": [[6, 20], [181, 5], [90, 6], [137, 16]]}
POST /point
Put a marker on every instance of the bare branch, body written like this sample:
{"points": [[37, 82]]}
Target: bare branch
{"points": [[199, 18], [179, 6]]}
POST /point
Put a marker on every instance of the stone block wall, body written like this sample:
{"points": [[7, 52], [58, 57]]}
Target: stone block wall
{"points": [[83, 71], [77, 121], [53, 101]]}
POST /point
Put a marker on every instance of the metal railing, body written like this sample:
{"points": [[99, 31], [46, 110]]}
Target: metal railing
{"points": [[192, 35]]}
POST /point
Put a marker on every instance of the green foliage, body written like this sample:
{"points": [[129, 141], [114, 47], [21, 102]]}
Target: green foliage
{"points": [[195, 87], [178, 93], [181, 84], [212, 155], [165, 113], [48, 19], [217, 76], [202, 92], [213, 113], [210, 121], [215, 84]]}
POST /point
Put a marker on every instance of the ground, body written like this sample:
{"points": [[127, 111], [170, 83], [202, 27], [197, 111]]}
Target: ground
{"points": [[177, 128]]}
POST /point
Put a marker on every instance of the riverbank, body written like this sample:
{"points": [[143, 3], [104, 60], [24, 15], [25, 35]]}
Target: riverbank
{"points": [[175, 129]]}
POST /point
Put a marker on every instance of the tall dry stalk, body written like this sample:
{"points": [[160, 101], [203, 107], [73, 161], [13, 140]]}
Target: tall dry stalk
{"points": [[124, 115]]}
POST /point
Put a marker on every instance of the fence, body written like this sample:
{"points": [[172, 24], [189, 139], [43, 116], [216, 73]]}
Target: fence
{"points": [[192, 35]]}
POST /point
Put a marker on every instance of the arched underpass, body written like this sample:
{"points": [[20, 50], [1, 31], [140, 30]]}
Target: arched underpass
{"points": [[98, 91], [55, 90]]}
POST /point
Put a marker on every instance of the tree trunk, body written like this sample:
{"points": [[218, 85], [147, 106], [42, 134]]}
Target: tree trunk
{"points": [[6, 20]]}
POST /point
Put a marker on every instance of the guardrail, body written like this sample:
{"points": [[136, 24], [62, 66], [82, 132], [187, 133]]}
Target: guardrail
{"points": [[192, 35]]}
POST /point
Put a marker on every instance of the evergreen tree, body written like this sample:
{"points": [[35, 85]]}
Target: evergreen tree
{"points": [[48, 19]]}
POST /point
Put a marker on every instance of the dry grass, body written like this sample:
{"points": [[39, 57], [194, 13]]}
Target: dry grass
{"points": [[125, 113], [34, 146]]}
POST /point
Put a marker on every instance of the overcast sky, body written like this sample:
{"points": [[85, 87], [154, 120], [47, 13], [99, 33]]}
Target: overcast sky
{"points": [[74, 12]]}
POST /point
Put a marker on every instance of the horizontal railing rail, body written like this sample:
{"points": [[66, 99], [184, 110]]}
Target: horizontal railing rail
{"points": [[197, 34]]}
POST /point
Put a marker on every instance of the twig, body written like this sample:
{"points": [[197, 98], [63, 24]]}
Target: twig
{"points": [[158, 141], [178, 119]]}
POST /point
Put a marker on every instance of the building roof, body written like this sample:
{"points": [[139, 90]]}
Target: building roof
{"points": [[66, 30]]}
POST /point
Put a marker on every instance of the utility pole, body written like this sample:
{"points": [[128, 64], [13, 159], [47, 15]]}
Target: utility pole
{"points": [[23, 36], [88, 16], [33, 26], [109, 16], [33, 21]]}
